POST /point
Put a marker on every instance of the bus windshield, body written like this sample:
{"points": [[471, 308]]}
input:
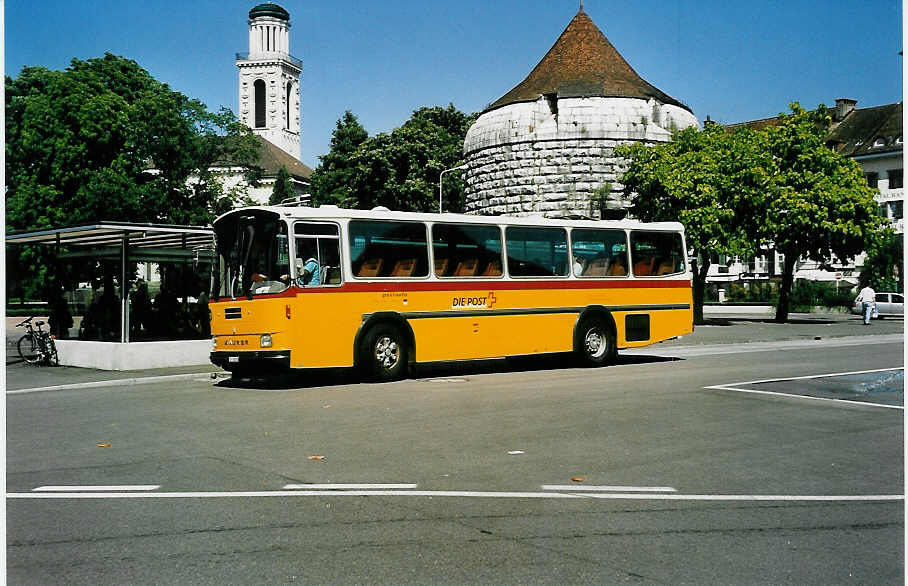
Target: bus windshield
{"points": [[253, 255]]}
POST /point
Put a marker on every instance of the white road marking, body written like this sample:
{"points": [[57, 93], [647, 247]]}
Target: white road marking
{"points": [[118, 488], [459, 494], [348, 486], [735, 387], [581, 488]]}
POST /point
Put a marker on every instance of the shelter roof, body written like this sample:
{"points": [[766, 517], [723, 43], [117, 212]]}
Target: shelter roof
{"points": [[107, 234], [583, 63]]}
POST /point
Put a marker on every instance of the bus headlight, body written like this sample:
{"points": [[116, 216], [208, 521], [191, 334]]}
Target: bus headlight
{"points": [[266, 341]]}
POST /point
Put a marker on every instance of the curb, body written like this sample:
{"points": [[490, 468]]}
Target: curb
{"points": [[120, 382]]}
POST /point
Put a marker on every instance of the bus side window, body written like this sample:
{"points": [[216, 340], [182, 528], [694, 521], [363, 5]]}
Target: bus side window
{"points": [[600, 252], [466, 250]]}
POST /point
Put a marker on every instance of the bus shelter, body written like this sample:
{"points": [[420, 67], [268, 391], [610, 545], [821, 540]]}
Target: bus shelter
{"points": [[128, 243]]}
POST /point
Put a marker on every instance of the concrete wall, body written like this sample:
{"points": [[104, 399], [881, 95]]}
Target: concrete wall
{"points": [[134, 355]]}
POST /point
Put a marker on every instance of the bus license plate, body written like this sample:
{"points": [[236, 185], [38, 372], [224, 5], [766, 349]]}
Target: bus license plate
{"points": [[233, 359]]}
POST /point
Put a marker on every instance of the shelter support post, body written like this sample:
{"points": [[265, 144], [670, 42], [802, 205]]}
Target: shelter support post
{"points": [[124, 291]]}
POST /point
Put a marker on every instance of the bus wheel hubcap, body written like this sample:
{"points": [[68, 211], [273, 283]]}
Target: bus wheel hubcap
{"points": [[387, 352], [595, 342]]}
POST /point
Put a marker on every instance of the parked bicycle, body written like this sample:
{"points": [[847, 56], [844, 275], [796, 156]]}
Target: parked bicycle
{"points": [[37, 346]]}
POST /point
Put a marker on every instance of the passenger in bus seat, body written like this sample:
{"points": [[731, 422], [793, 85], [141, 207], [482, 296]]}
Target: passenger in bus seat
{"points": [[310, 274]]}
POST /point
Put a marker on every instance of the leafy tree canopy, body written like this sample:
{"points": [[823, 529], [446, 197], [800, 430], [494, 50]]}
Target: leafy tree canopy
{"points": [[283, 188], [400, 169], [104, 140], [704, 179], [734, 192], [332, 179], [817, 202], [80, 143]]}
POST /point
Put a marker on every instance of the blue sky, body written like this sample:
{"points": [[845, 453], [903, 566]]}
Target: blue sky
{"points": [[733, 61]]}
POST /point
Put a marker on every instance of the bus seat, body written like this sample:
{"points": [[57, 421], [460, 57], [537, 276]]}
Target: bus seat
{"points": [[666, 267], [468, 267], [441, 266], [404, 267], [617, 267], [644, 266], [493, 269], [596, 267], [371, 267]]}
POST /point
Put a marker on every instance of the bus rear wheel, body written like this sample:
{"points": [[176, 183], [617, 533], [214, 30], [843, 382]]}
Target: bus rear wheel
{"points": [[595, 344], [384, 353]]}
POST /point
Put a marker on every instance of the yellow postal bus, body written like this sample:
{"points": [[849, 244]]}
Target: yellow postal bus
{"points": [[299, 287]]}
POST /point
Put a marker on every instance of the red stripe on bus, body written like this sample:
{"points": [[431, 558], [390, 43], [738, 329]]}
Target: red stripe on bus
{"points": [[400, 286]]}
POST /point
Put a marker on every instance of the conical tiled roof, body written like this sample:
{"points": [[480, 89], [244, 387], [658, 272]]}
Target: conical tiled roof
{"points": [[583, 63]]}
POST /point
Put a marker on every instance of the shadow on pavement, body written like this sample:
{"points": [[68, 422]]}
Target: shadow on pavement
{"points": [[346, 376]]}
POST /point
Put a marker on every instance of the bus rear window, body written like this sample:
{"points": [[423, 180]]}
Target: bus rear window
{"points": [[388, 249], [657, 253], [537, 252]]}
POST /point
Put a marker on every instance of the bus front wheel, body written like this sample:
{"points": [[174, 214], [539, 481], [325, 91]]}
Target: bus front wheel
{"points": [[384, 353], [595, 344]]}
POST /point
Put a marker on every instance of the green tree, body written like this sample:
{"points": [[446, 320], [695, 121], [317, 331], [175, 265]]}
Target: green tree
{"points": [[400, 169], [332, 179], [81, 142], [817, 203], [705, 180], [884, 267], [283, 188], [104, 140]]}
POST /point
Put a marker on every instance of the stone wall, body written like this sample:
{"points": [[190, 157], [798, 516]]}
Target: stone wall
{"points": [[556, 156]]}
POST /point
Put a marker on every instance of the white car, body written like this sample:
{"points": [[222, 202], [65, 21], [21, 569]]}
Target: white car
{"points": [[887, 305]]}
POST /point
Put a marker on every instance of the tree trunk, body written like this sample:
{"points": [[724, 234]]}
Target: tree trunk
{"points": [[701, 268], [785, 289]]}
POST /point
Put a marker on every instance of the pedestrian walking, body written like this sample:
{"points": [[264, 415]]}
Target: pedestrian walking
{"points": [[867, 297]]}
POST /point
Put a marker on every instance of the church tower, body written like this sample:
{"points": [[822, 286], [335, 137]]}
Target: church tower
{"points": [[270, 79]]}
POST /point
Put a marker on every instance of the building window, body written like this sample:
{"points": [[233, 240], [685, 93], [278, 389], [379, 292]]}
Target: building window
{"points": [[897, 211], [872, 178], [895, 178], [289, 94], [259, 88]]}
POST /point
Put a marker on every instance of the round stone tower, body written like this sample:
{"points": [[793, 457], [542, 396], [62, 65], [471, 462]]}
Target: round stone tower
{"points": [[270, 79], [547, 146]]}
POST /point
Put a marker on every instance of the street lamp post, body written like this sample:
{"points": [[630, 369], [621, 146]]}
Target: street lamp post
{"points": [[441, 178]]}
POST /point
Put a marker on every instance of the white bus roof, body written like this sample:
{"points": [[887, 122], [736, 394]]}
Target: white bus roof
{"points": [[380, 213]]}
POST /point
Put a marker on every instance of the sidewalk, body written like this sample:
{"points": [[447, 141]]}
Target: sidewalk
{"points": [[746, 325]]}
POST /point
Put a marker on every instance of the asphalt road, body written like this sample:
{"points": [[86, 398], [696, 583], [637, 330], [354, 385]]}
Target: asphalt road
{"points": [[664, 469]]}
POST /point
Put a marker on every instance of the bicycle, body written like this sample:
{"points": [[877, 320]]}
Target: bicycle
{"points": [[37, 346]]}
